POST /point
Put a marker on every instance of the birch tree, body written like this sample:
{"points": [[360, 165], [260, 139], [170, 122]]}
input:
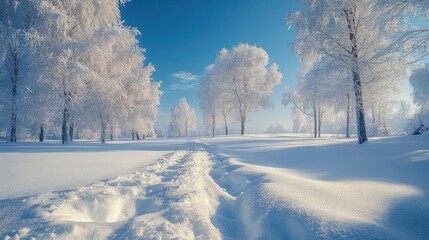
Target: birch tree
{"points": [[359, 35]]}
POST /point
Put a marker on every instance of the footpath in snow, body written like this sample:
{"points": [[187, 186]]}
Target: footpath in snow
{"points": [[255, 187], [172, 198]]}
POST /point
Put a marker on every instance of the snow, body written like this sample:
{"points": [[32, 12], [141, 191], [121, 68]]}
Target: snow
{"points": [[252, 187], [31, 168], [332, 188]]}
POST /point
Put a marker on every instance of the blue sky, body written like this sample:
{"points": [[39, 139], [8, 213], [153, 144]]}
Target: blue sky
{"points": [[183, 37]]}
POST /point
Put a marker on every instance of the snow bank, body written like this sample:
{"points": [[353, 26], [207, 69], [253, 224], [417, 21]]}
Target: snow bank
{"points": [[292, 187]]}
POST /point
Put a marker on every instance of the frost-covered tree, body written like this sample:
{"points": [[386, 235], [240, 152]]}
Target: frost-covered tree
{"points": [[120, 86], [277, 128], [72, 63], [402, 116], [419, 81], [66, 30], [210, 98], [143, 100], [415, 11], [305, 101], [314, 97], [360, 36], [226, 110], [17, 19], [96, 68], [214, 101], [183, 119], [245, 81]]}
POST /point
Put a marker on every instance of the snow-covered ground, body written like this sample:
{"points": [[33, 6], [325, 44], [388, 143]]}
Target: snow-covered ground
{"points": [[30, 168], [253, 187]]}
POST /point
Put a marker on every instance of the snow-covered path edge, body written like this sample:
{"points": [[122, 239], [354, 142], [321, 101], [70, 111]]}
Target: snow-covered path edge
{"points": [[273, 203]]}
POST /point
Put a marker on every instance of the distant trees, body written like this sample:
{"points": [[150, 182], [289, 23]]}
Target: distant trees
{"points": [[357, 48], [312, 98], [239, 84], [276, 128], [183, 120], [73, 65], [210, 102], [419, 81]]}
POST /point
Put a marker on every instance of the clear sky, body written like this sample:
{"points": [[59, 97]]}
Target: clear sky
{"points": [[183, 37]]}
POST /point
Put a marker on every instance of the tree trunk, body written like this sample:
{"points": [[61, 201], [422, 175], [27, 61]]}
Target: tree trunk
{"points": [[103, 132], [64, 129], [66, 118], [319, 124], [348, 117], [213, 126], [360, 113], [133, 134], [137, 135], [357, 85], [71, 131], [242, 127], [226, 124], [14, 55], [14, 109], [41, 134], [103, 135], [13, 126], [111, 132], [14, 105], [315, 120]]}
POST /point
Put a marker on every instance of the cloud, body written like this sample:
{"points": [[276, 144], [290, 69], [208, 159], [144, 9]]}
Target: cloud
{"points": [[186, 81], [182, 86], [209, 67], [185, 76]]}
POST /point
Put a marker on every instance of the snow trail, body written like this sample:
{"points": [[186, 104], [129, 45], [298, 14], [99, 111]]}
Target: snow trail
{"points": [[173, 198], [261, 188]]}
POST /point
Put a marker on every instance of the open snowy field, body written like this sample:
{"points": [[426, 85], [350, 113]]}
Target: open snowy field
{"points": [[30, 168], [252, 187]]}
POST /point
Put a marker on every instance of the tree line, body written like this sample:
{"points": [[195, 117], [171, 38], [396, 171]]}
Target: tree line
{"points": [[355, 55], [71, 68]]}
